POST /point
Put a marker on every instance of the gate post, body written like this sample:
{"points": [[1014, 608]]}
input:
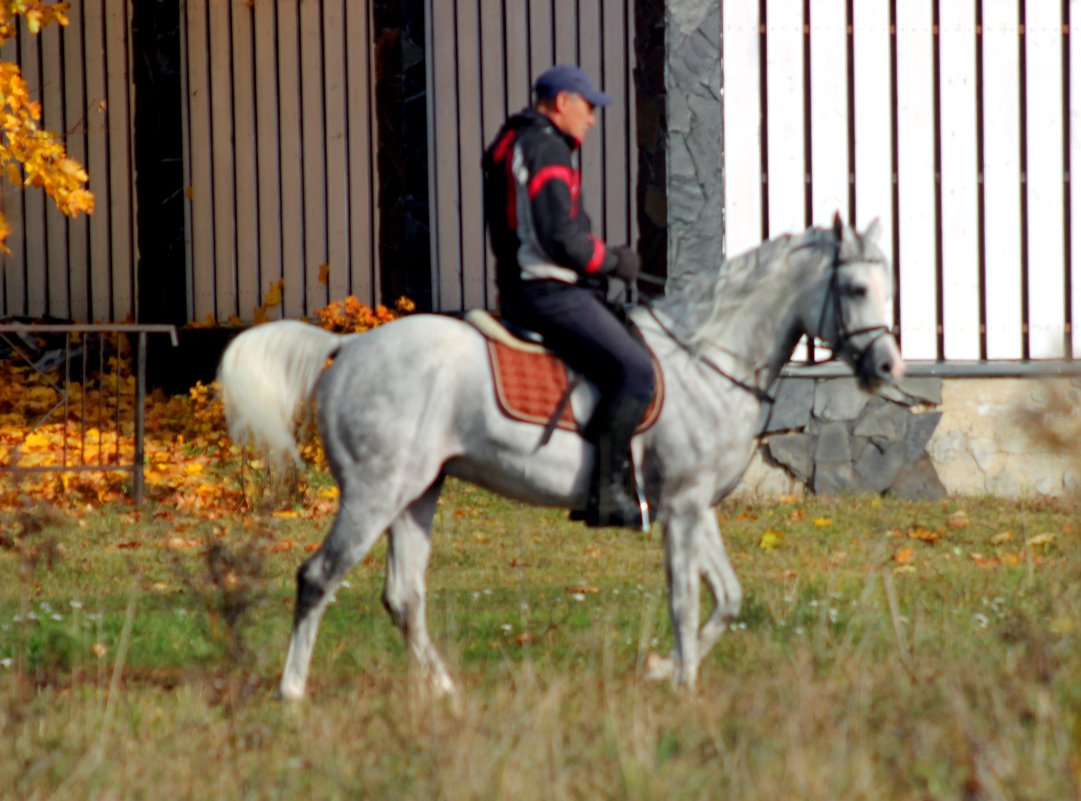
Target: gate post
{"points": [[680, 133], [402, 115], [159, 162]]}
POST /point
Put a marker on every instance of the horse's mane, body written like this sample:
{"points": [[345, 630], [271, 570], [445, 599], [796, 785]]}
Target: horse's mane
{"points": [[700, 304]]}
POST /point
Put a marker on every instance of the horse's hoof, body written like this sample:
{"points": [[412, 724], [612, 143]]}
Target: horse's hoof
{"points": [[441, 686], [289, 695], [658, 668]]}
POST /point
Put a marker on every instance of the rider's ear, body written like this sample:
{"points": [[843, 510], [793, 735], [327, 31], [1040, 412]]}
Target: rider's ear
{"points": [[873, 231]]}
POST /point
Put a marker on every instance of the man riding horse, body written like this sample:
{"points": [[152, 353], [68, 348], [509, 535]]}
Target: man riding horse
{"points": [[553, 274]]}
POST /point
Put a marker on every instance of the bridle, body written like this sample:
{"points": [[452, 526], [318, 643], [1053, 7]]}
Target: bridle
{"points": [[844, 339], [846, 336]]}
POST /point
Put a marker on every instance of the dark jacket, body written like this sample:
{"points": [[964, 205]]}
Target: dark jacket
{"points": [[536, 223]]}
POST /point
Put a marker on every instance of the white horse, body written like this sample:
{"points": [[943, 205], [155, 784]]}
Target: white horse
{"points": [[411, 402]]}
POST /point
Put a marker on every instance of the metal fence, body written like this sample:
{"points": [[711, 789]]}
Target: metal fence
{"points": [[279, 154], [82, 269], [97, 413], [954, 123], [483, 56]]}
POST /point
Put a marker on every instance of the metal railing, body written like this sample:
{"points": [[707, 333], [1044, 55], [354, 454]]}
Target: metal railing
{"points": [[87, 350]]}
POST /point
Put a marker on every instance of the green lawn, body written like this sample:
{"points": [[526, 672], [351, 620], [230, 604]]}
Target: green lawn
{"points": [[886, 650]]}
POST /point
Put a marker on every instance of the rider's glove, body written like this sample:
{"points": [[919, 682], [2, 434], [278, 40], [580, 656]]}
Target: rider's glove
{"points": [[626, 266]]}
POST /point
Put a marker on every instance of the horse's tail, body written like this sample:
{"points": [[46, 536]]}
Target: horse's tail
{"points": [[267, 375]]}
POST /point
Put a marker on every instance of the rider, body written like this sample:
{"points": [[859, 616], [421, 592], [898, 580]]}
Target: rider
{"points": [[553, 274]]}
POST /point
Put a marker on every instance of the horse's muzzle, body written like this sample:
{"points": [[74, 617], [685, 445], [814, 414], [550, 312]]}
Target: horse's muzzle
{"points": [[880, 363]]}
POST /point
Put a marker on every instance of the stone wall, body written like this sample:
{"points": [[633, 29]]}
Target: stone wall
{"points": [[680, 134], [1002, 437], [963, 436]]}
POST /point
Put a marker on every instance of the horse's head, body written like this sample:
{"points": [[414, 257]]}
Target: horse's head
{"points": [[856, 297]]}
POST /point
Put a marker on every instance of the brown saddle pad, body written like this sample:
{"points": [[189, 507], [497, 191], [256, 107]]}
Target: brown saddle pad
{"points": [[530, 385]]}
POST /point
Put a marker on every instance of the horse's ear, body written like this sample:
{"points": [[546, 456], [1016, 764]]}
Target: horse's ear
{"points": [[873, 230], [838, 226]]}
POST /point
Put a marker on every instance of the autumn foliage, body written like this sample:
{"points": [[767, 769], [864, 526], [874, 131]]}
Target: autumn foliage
{"points": [[191, 465], [30, 155]]}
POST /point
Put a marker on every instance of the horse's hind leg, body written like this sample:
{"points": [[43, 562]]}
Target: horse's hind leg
{"points": [[351, 536], [404, 593]]}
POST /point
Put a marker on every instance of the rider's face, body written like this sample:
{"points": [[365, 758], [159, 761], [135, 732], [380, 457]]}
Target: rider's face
{"points": [[574, 115]]}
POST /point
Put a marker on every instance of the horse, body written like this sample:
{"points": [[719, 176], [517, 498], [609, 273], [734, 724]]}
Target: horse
{"points": [[411, 402]]}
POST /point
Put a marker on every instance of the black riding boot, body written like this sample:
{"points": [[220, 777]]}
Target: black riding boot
{"points": [[610, 501]]}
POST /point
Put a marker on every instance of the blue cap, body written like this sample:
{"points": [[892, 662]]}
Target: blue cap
{"points": [[565, 78]]}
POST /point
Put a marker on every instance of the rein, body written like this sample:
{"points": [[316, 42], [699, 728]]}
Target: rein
{"points": [[845, 335], [757, 391]]}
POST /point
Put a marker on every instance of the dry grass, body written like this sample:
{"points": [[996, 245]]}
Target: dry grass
{"points": [[887, 650]]}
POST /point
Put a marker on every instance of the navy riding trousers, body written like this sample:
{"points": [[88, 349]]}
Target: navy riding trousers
{"points": [[577, 325]]}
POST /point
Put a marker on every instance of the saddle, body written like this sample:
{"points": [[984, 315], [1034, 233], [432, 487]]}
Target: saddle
{"points": [[533, 385]]}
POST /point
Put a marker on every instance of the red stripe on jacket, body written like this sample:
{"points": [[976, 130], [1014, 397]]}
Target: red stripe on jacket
{"points": [[557, 172], [597, 260], [499, 155]]}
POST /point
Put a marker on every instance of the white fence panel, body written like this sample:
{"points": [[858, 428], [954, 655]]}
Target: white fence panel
{"points": [[960, 225], [786, 179], [1002, 178], [1044, 180], [916, 179], [829, 112], [873, 118], [742, 128]]}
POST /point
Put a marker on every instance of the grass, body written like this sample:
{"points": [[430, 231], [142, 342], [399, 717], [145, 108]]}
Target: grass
{"points": [[886, 650]]}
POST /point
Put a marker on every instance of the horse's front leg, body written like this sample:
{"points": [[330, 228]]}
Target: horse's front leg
{"points": [[722, 582], [682, 533]]}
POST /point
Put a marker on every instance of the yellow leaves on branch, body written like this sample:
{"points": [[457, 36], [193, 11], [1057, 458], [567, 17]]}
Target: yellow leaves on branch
{"points": [[37, 13], [30, 155]]}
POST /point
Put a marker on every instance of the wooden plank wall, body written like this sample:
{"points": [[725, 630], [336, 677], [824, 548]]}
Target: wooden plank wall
{"points": [[82, 269], [280, 139], [955, 122], [483, 58]]}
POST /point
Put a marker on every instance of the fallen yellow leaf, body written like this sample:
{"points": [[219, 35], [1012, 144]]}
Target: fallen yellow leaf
{"points": [[771, 540], [1040, 540]]}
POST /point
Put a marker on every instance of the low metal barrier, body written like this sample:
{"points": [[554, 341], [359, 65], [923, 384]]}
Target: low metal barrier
{"points": [[87, 350]]}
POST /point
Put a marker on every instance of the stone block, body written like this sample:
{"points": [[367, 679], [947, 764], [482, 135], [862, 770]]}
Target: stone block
{"points": [[836, 479], [792, 405], [792, 451], [918, 482], [839, 399], [833, 444], [884, 421], [923, 389], [878, 464], [921, 427]]}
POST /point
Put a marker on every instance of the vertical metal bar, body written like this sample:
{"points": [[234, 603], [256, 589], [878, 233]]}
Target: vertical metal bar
{"points": [[1067, 217], [1022, 59], [82, 406], [101, 390], [137, 477], [116, 397], [67, 395], [981, 199]]}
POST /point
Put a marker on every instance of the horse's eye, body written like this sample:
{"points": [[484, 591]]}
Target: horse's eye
{"points": [[856, 291]]}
